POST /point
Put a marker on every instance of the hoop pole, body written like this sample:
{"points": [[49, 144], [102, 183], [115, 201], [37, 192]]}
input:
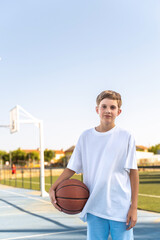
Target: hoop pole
{"points": [[42, 175]]}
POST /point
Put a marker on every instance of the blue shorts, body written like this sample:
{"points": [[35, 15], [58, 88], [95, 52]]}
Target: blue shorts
{"points": [[100, 228]]}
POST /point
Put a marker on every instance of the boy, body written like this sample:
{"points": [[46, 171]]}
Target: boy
{"points": [[106, 155]]}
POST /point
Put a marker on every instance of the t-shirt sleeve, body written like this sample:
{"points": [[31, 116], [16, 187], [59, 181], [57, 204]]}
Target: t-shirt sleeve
{"points": [[131, 160], [75, 162]]}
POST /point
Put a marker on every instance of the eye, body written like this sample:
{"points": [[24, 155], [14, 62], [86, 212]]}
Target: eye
{"points": [[113, 107], [104, 106]]}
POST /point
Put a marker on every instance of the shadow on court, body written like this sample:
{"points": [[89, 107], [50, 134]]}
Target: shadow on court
{"points": [[26, 215], [147, 231], [34, 215]]}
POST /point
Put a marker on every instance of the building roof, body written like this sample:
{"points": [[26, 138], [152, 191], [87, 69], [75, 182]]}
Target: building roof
{"points": [[59, 151], [69, 149], [141, 147]]}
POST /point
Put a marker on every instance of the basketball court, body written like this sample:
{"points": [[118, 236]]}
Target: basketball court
{"points": [[26, 215]]}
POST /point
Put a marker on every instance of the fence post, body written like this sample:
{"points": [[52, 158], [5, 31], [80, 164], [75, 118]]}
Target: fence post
{"points": [[0, 175], [4, 176], [22, 178], [30, 179], [39, 179], [51, 176], [16, 179], [9, 176]]}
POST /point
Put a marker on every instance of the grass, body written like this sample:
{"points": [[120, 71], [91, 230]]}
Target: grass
{"points": [[149, 204], [149, 185], [34, 183]]}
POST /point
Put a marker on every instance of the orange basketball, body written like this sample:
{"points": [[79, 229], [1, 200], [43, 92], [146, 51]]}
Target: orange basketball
{"points": [[71, 196]]}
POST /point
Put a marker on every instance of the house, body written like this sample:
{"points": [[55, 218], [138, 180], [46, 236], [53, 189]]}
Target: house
{"points": [[147, 158], [141, 148], [58, 155], [69, 151]]}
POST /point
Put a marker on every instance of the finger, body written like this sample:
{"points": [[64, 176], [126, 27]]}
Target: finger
{"points": [[128, 220], [53, 200], [52, 197], [57, 207], [133, 223], [131, 226]]}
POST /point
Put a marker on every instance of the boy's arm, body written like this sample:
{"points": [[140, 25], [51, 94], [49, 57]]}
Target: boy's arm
{"points": [[66, 174], [132, 213]]}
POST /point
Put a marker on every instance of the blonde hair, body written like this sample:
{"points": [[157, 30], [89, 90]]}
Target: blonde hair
{"points": [[111, 95]]}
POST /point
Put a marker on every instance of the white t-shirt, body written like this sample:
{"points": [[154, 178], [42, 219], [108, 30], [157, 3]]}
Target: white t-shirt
{"points": [[105, 159]]}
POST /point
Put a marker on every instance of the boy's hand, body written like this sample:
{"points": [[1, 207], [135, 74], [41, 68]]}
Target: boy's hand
{"points": [[53, 198], [131, 217]]}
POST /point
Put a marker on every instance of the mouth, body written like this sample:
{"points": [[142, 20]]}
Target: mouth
{"points": [[107, 116]]}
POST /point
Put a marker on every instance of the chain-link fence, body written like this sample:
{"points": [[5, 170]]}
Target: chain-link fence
{"points": [[30, 177]]}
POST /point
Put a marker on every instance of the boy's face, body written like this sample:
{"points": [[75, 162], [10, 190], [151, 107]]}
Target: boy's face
{"points": [[108, 111]]}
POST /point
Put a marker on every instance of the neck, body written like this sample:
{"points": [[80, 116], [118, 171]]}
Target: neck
{"points": [[104, 128]]}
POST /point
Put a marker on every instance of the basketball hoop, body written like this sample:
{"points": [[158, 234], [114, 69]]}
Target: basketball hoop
{"points": [[16, 114], [14, 120]]}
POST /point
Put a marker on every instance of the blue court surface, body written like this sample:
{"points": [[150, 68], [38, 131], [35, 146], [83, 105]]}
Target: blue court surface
{"points": [[26, 215]]}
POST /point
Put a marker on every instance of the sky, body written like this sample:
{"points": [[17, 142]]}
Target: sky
{"points": [[56, 56]]}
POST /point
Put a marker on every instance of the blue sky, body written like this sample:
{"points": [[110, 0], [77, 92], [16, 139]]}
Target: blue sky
{"points": [[57, 56]]}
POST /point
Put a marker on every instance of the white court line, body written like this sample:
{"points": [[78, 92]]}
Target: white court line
{"points": [[147, 195], [6, 207], [19, 194], [44, 234], [32, 182]]}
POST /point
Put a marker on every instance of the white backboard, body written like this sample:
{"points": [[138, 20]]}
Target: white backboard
{"points": [[14, 120]]}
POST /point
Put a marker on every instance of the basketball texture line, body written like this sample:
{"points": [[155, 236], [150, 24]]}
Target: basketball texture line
{"points": [[57, 189], [72, 198], [72, 211]]}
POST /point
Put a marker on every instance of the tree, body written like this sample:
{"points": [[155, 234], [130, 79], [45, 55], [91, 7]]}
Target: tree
{"points": [[155, 149], [2, 153], [48, 155], [4, 156], [18, 157], [32, 156]]}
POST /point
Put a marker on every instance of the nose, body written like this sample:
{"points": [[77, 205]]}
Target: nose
{"points": [[108, 110]]}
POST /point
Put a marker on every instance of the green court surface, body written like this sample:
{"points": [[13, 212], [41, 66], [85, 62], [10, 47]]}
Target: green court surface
{"points": [[26, 215]]}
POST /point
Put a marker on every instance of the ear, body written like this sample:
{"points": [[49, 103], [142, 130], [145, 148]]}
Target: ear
{"points": [[97, 110], [119, 111]]}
